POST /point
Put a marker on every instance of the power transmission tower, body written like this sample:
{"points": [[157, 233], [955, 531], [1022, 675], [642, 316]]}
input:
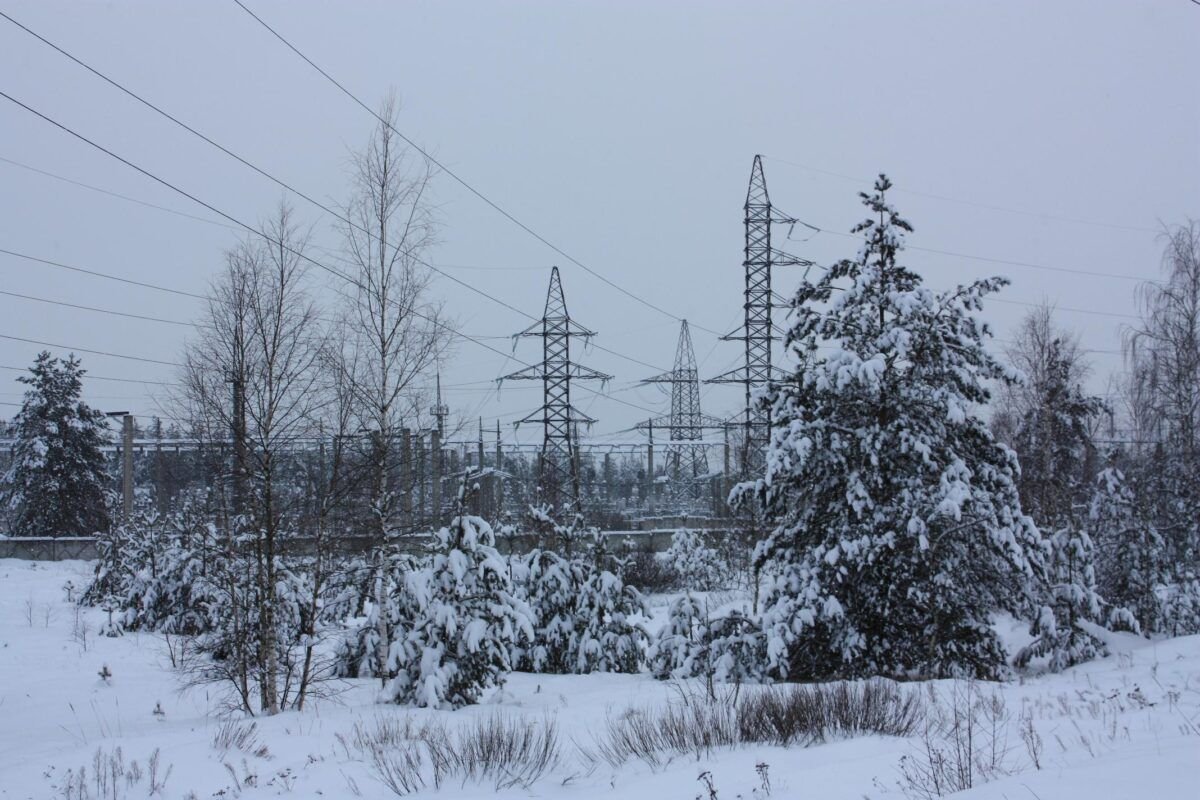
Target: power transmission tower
{"points": [[558, 471], [757, 333], [687, 463]]}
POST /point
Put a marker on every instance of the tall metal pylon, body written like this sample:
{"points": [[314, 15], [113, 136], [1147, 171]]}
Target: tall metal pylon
{"points": [[687, 463], [757, 332], [559, 474]]}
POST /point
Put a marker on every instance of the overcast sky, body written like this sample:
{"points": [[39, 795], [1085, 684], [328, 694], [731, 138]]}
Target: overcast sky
{"points": [[1062, 134]]}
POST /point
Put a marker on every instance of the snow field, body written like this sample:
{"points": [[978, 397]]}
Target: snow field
{"points": [[1126, 726]]}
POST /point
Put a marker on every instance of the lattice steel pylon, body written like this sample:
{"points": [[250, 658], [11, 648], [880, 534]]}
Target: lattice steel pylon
{"points": [[559, 474], [687, 463], [757, 329]]}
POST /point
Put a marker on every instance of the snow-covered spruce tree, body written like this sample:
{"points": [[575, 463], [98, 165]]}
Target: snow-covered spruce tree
{"points": [[1129, 562], [1074, 598], [55, 485], [550, 585], [678, 650], [1053, 441], [585, 618], [898, 528], [609, 636], [694, 644], [699, 567], [464, 623], [357, 654]]}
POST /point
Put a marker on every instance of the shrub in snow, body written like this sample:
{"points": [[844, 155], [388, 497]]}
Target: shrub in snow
{"points": [[465, 620], [898, 529], [55, 484], [699, 567]]}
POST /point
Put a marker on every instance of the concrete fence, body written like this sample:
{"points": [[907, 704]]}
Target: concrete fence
{"points": [[84, 547]]}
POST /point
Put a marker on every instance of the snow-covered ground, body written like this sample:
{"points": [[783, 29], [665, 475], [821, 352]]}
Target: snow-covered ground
{"points": [[1127, 726]]}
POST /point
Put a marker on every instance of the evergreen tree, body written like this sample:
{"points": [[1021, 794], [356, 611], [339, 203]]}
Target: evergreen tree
{"points": [[465, 620], [55, 485], [1074, 598], [898, 527], [1053, 441], [550, 584], [609, 634], [699, 567], [694, 644], [585, 618], [1130, 569]]}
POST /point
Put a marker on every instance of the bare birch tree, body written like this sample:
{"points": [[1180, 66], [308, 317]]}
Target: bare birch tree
{"points": [[253, 372], [398, 331], [1162, 356]]}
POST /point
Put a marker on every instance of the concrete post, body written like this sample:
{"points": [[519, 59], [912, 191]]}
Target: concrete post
{"points": [[127, 466], [435, 457]]}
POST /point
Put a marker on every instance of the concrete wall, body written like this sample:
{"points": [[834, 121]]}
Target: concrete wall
{"points": [[84, 547], [36, 548]]}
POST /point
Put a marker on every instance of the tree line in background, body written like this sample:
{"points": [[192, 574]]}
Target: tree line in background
{"points": [[893, 522]]}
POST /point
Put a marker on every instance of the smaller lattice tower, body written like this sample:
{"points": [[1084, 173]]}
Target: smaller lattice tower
{"points": [[687, 460], [559, 467]]}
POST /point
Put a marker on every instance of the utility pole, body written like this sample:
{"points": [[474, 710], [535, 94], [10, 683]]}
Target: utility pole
{"points": [[238, 431], [499, 479], [126, 462], [406, 476], [439, 411], [650, 466]]}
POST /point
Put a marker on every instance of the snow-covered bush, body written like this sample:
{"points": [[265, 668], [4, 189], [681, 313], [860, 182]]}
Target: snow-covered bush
{"points": [[464, 620]]}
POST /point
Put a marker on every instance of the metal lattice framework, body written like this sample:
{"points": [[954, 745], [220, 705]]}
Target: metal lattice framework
{"points": [[686, 451], [559, 469], [757, 332]]}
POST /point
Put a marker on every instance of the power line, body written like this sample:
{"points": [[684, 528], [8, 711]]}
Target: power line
{"points": [[97, 310], [1065, 308], [87, 375], [97, 273], [1009, 262], [278, 181], [251, 230], [92, 352], [111, 193], [495, 206], [974, 203]]}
